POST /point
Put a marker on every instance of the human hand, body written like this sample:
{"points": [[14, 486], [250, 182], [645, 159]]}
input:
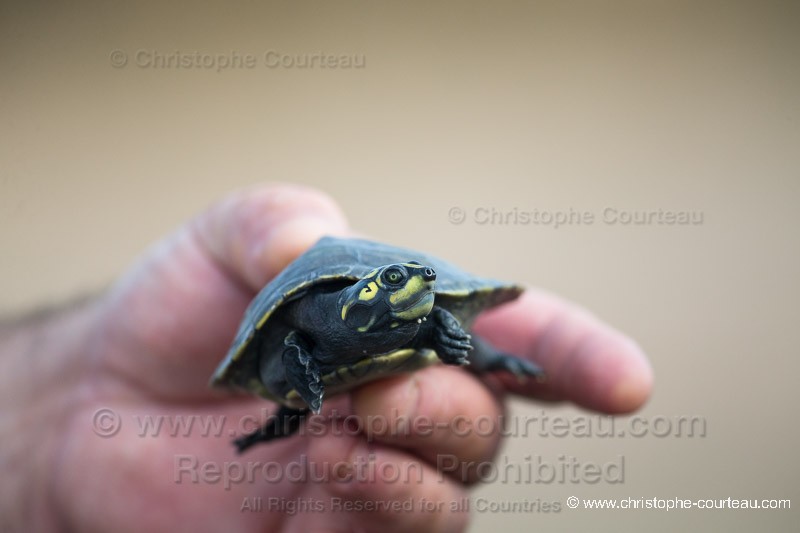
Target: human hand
{"points": [[149, 345]]}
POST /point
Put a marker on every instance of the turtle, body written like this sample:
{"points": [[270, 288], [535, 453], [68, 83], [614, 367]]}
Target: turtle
{"points": [[349, 311]]}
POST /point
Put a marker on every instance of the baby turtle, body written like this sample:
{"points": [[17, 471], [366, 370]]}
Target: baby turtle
{"points": [[349, 311]]}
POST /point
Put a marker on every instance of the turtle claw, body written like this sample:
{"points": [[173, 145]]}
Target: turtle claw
{"points": [[451, 342], [453, 354]]}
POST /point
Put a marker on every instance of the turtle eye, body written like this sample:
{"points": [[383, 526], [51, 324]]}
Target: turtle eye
{"points": [[393, 276]]}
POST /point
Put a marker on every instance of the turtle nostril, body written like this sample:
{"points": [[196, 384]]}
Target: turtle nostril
{"points": [[430, 274]]}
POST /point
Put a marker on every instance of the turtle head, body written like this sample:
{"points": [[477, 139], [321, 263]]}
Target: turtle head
{"points": [[388, 297]]}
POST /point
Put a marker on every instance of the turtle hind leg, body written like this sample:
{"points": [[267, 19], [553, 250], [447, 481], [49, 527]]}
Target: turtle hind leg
{"points": [[486, 358], [284, 424]]}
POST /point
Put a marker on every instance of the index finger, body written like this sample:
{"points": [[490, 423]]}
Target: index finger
{"points": [[585, 360]]}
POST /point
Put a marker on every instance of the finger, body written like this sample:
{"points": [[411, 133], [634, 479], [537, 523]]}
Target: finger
{"points": [[254, 234], [444, 415], [361, 474], [585, 360]]}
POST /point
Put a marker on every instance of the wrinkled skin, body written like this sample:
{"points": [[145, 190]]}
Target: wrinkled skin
{"points": [[149, 344]]}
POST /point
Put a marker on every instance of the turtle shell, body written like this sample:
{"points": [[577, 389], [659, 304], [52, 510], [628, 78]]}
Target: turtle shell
{"points": [[340, 261]]}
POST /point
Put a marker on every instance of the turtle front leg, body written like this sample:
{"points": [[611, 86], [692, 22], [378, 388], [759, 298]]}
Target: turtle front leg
{"points": [[442, 332], [302, 371]]}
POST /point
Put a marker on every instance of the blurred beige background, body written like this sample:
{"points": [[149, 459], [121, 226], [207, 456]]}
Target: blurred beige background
{"points": [[682, 106]]}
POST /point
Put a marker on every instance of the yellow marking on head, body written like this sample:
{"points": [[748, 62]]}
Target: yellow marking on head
{"points": [[364, 329], [369, 292], [418, 310], [345, 309], [413, 287]]}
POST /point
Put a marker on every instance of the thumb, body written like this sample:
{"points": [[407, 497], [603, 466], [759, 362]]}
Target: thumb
{"points": [[253, 234], [170, 320]]}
